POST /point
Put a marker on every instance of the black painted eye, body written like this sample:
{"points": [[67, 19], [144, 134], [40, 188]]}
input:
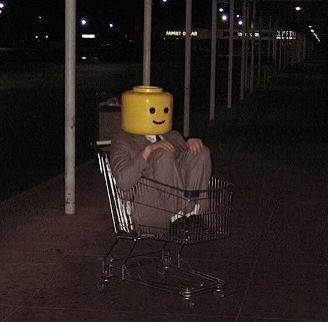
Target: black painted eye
{"points": [[166, 110], [152, 110]]}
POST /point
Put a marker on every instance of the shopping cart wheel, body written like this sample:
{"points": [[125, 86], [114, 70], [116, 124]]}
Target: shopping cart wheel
{"points": [[162, 272], [190, 304], [187, 298], [218, 292], [166, 258], [102, 285]]}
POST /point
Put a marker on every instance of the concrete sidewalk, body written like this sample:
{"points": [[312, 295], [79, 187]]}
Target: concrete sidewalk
{"points": [[275, 263]]}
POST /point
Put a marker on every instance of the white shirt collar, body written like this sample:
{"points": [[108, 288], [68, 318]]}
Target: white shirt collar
{"points": [[152, 138]]}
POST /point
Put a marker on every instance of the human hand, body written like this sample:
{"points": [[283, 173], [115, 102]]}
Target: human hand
{"points": [[163, 144], [194, 145]]}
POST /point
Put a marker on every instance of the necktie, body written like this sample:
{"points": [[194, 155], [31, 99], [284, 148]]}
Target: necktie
{"points": [[158, 138]]}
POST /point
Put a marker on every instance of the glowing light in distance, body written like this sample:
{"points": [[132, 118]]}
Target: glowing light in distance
{"points": [[298, 8], [224, 17], [111, 25], [221, 10], [240, 22], [2, 5], [84, 21], [88, 36]]}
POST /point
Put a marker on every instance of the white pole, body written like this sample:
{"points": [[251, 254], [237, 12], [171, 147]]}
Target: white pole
{"points": [[259, 58], [213, 58], [243, 58], [187, 69], [247, 46], [253, 48], [230, 64], [280, 50], [304, 48], [275, 46], [70, 68], [147, 42], [269, 42]]}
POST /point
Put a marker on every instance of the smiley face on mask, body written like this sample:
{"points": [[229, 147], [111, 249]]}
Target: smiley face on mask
{"points": [[147, 110]]}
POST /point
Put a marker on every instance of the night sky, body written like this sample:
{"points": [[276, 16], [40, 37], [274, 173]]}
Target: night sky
{"points": [[20, 19]]}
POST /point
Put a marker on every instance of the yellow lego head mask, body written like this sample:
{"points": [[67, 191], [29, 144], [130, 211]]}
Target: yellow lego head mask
{"points": [[147, 110]]}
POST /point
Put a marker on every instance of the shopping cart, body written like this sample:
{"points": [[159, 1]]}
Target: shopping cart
{"points": [[165, 268]]}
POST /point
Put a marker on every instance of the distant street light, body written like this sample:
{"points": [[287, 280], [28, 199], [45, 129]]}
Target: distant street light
{"points": [[2, 5], [298, 8], [111, 25], [221, 10], [224, 17], [84, 21]]}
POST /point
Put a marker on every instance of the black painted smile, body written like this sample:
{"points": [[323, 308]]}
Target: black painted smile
{"points": [[158, 123]]}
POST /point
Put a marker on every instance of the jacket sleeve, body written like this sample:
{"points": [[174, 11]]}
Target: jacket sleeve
{"points": [[177, 140], [127, 168]]}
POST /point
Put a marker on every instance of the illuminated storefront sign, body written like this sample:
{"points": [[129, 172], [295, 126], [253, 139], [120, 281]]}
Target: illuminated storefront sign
{"points": [[88, 36], [256, 34], [177, 33], [281, 34]]}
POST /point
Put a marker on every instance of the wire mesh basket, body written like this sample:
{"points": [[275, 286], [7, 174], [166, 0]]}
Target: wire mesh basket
{"points": [[152, 210], [172, 215]]}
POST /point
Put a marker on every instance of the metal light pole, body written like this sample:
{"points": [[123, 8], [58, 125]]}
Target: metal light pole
{"points": [[186, 119], [251, 88], [243, 53], [147, 42], [230, 64], [213, 58], [70, 85]]}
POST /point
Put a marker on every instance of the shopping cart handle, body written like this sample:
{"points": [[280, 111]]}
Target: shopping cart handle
{"points": [[100, 145], [104, 143]]}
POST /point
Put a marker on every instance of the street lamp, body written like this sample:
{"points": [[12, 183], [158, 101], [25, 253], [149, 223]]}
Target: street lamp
{"points": [[84, 21], [224, 17], [2, 5]]}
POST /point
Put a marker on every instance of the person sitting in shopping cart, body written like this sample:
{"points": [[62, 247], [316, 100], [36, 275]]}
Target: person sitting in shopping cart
{"points": [[148, 147]]}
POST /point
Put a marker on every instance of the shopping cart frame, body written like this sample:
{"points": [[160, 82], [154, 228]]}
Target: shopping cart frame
{"points": [[169, 272]]}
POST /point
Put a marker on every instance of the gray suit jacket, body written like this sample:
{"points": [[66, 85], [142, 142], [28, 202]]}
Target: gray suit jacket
{"points": [[126, 160]]}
